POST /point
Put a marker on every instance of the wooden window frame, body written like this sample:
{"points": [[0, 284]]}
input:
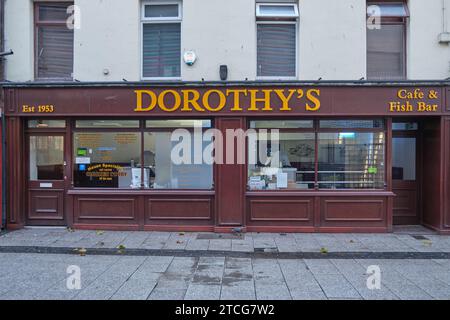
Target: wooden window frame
{"points": [[36, 25], [401, 21], [169, 20]]}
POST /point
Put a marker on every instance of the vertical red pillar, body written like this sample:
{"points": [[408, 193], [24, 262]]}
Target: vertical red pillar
{"points": [[1, 174], [229, 182]]}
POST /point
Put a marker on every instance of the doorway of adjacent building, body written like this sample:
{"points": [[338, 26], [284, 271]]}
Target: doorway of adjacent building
{"points": [[46, 179], [405, 174]]}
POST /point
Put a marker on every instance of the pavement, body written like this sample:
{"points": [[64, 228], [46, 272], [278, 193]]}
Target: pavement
{"points": [[251, 266], [44, 276], [405, 240]]}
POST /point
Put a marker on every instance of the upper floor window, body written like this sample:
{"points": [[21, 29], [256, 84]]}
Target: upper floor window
{"points": [[54, 41], [161, 39], [386, 40], [276, 39]]}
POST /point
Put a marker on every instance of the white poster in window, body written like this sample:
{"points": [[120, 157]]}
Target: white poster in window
{"points": [[282, 180], [82, 160]]}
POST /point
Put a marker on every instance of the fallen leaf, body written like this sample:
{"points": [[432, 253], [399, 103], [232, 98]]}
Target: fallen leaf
{"points": [[81, 251], [181, 234], [323, 250], [179, 241], [99, 232], [121, 247]]}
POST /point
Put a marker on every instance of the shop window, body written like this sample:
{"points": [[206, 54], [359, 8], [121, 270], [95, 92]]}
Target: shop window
{"points": [[386, 43], [285, 124], [165, 172], [351, 160], [334, 154], [276, 40], [405, 126], [54, 41], [107, 124], [108, 153], [40, 123], [182, 123], [161, 37], [352, 124], [46, 154], [107, 159], [286, 164]]}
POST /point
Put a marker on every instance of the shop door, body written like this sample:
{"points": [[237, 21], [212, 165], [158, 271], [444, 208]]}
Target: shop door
{"points": [[46, 180], [405, 176]]}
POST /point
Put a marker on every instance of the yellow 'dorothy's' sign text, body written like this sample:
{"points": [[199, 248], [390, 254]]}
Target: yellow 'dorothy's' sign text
{"points": [[234, 100]]}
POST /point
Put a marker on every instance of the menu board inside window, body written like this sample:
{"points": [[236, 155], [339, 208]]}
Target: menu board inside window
{"points": [[107, 159]]}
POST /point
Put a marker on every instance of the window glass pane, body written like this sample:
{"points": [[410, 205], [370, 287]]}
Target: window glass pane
{"points": [[161, 11], [404, 159], [385, 52], [287, 163], [53, 12], [107, 159], [351, 160], [46, 123], [185, 123], [388, 9], [46, 158], [165, 172], [405, 126], [286, 124], [352, 124], [161, 50], [276, 50], [55, 52], [274, 10], [107, 124]]}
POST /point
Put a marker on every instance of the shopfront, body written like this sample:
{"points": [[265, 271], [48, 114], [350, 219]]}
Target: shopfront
{"points": [[201, 157]]}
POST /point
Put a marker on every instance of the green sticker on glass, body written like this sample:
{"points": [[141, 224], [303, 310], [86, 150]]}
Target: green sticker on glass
{"points": [[81, 152], [372, 170]]}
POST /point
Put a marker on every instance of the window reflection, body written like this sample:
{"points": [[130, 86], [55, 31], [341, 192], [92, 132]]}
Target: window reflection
{"points": [[164, 173], [107, 159], [295, 169], [351, 160], [46, 158]]}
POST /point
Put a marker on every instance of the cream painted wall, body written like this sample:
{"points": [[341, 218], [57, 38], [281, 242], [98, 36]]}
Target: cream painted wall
{"points": [[220, 32], [332, 40], [109, 38], [427, 59], [19, 38]]}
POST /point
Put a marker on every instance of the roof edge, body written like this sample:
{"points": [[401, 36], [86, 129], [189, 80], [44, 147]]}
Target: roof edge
{"points": [[342, 83]]}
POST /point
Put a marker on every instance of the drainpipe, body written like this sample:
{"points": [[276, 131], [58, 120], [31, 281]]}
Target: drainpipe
{"points": [[3, 182], [444, 37], [2, 77]]}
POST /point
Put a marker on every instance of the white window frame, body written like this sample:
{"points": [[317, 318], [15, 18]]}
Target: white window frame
{"points": [[262, 15], [159, 20], [296, 24], [161, 3]]}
